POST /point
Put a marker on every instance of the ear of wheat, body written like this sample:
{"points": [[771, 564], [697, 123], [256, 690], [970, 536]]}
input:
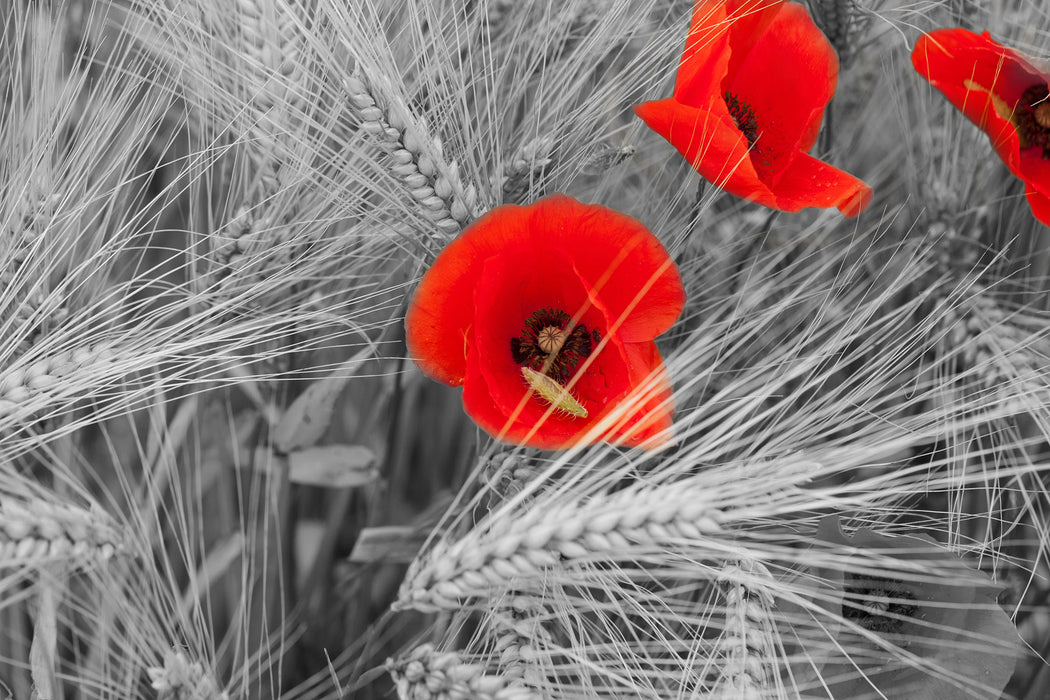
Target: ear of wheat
{"points": [[416, 158], [427, 673], [179, 677], [36, 532]]}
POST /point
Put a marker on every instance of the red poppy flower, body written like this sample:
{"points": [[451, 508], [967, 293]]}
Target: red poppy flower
{"points": [[1001, 92], [748, 102], [546, 314]]}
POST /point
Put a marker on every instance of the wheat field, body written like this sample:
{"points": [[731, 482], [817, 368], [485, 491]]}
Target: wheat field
{"points": [[223, 477]]}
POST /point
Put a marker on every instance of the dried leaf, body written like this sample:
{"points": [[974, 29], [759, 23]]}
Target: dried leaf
{"points": [[310, 414], [214, 566], [393, 544], [333, 466], [309, 537], [45, 642]]}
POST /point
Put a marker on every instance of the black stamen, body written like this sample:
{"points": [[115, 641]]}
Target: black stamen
{"points": [[526, 349], [744, 118], [878, 604], [1032, 119]]}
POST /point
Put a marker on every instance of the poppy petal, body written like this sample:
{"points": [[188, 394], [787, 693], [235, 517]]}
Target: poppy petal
{"points": [[748, 22], [1034, 170], [985, 81], [955, 57], [440, 316], [514, 285], [651, 408], [705, 60], [715, 148], [810, 182], [981, 78], [620, 260], [1039, 202], [788, 96], [749, 98], [475, 312], [480, 406]]}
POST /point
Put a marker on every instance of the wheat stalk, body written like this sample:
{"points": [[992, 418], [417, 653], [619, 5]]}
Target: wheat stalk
{"points": [[415, 156], [247, 64], [601, 575], [602, 156], [525, 176], [21, 237], [266, 86], [71, 154], [515, 628], [1007, 352], [605, 525], [258, 241], [1004, 351], [181, 679], [37, 531], [507, 473], [497, 13], [746, 645], [525, 172], [844, 24], [21, 385], [425, 674], [253, 92], [274, 48]]}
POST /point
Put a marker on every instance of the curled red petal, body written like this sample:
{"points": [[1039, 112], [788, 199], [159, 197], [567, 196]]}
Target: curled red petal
{"points": [[705, 59], [711, 143], [644, 419], [1039, 202], [810, 182], [982, 78], [441, 313], [788, 76], [619, 258], [986, 80]]}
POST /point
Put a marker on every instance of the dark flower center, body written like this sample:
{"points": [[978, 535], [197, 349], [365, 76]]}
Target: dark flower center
{"points": [[1032, 119], [878, 604], [744, 118], [548, 345]]}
